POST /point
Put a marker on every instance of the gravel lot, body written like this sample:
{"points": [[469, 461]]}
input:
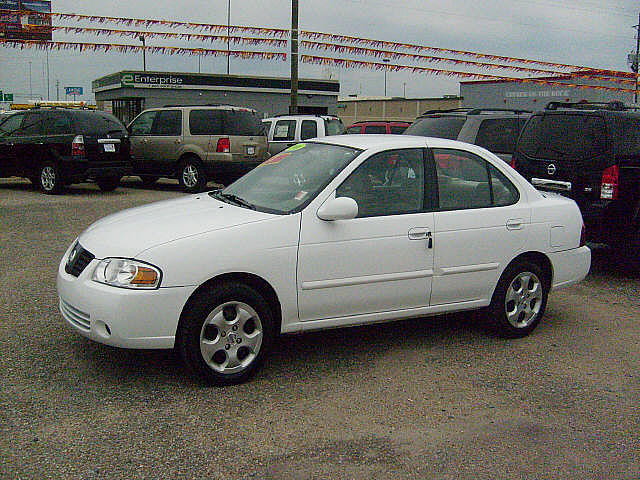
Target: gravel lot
{"points": [[428, 398]]}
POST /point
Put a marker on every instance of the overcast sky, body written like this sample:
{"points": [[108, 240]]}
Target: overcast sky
{"points": [[581, 32]]}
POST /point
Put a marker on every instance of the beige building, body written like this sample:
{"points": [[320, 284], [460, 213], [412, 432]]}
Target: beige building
{"points": [[353, 109]]}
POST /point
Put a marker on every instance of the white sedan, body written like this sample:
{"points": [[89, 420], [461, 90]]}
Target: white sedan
{"points": [[334, 232]]}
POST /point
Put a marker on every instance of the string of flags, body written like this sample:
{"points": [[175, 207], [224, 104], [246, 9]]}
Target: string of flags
{"points": [[559, 73]]}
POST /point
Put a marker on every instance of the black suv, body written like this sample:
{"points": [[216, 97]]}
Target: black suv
{"points": [[54, 147], [591, 153], [495, 129]]}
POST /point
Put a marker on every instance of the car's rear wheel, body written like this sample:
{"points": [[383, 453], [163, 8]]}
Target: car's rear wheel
{"points": [[108, 184], [519, 300], [49, 178], [224, 333], [191, 175]]}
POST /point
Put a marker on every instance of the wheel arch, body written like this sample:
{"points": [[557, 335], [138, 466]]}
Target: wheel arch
{"points": [[539, 259], [185, 155], [254, 281]]}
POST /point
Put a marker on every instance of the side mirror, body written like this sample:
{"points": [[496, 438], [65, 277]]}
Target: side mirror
{"points": [[341, 208]]}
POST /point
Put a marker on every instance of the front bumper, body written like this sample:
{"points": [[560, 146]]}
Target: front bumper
{"points": [[117, 316]]}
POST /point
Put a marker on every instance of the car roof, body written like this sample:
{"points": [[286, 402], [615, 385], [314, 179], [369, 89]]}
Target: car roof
{"points": [[368, 142]]}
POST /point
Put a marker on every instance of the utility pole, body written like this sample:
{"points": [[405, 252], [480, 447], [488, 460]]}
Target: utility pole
{"points": [[228, 37], [385, 60], [637, 27], [48, 80], [144, 54], [58, 90], [293, 108], [30, 83]]}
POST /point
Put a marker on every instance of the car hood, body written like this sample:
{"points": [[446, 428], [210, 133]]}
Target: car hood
{"points": [[130, 232]]}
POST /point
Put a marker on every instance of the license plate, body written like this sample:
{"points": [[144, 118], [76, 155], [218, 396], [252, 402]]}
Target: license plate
{"points": [[109, 147], [251, 150]]}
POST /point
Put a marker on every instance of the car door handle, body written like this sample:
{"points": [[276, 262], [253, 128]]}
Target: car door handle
{"points": [[514, 224], [421, 233], [177, 141]]}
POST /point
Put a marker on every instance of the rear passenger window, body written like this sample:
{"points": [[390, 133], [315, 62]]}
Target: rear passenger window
{"points": [[32, 124], [504, 192], [244, 123], [56, 123], [167, 123], [11, 125], [205, 122], [309, 129], [397, 129], [498, 135], [463, 180], [285, 130], [375, 129], [354, 129]]}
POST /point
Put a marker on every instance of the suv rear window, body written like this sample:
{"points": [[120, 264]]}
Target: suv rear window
{"points": [[333, 127], [243, 123], [498, 135], [205, 122], [97, 123], [555, 137], [439, 127]]}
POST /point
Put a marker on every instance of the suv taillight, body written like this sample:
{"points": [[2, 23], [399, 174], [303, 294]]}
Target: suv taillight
{"points": [[609, 186], [224, 146], [77, 146], [583, 236]]}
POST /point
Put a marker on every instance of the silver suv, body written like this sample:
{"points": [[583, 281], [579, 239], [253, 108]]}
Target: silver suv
{"points": [[286, 130], [495, 129], [196, 144]]}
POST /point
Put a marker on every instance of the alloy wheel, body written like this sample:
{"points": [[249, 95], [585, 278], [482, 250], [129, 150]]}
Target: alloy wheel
{"points": [[523, 299]]}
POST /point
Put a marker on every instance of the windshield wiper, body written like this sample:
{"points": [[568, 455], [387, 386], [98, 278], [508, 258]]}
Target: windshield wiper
{"points": [[235, 199]]}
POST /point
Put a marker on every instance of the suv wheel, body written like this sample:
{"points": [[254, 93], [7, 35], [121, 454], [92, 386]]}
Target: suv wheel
{"points": [[108, 184], [49, 179], [191, 175]]}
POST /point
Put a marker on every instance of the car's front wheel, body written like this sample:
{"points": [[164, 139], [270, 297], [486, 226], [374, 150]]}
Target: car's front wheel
{"points": [[191, 175], [519, 300], [225, 332], [49, 179]]}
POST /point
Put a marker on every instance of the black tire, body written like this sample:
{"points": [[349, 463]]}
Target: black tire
{"points": [[149, 180], [108, 184], [49, 179], [191, 175], [225, 305], [515, 312]]}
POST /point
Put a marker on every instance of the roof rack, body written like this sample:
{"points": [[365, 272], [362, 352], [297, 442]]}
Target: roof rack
{"points": [[449, 110], [303, 115], [478, 111], [583, 105]]}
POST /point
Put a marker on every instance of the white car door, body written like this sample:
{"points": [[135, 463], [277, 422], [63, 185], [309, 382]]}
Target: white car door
{"points": [[481, 223], [382, 260]]}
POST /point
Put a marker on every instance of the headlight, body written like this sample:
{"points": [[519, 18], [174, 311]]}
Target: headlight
{"points": [[125, 273]]}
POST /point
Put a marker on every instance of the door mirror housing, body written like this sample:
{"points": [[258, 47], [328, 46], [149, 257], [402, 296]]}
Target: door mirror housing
{"points": [[341, 208]]}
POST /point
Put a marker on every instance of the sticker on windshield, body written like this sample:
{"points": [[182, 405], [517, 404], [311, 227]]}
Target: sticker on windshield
{"points": [[298, 146], [275, 159], [300, 195]]}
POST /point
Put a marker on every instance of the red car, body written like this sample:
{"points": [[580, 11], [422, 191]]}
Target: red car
{"points": [[378, 127]]}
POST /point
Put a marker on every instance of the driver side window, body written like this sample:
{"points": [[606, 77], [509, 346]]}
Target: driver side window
{"points": [[388, 183], [142, 125]]}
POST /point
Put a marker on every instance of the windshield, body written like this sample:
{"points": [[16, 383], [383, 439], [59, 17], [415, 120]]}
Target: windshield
{"points": [[287, 182], [439, 127]]}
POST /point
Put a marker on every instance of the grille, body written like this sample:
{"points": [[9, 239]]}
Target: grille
{"points": [[78, 260], [74, 316]]}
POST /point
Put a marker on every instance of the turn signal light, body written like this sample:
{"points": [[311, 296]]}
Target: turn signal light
{"points": [[224, 146], [609, 186]]}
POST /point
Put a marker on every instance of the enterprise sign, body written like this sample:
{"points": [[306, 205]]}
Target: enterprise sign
{"points": [[193, 81], [150, 81]]}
